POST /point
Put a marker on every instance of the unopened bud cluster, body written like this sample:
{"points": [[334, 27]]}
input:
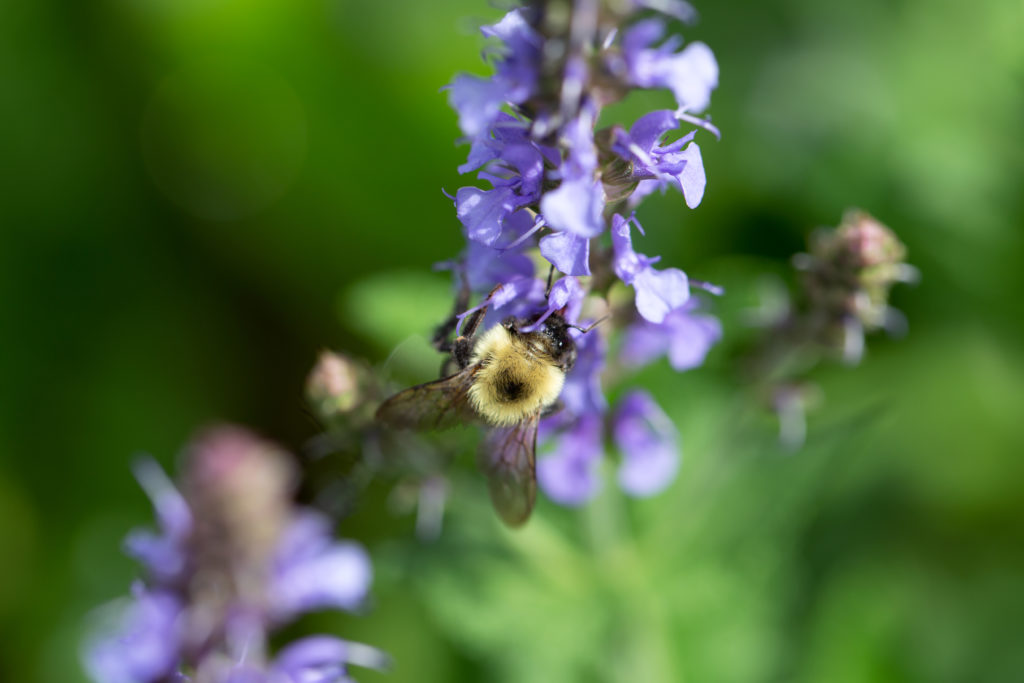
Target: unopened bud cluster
{"points": [[847, 277]]}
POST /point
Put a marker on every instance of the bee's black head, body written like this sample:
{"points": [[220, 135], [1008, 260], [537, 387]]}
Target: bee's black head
{"points": [[552, 338]]}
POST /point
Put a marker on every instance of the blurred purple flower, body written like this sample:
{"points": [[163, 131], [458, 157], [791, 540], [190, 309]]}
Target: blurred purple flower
{"points": [[311, 571], [143, 643], [649, 444], [685, 335], [233, 560], [164, 553], [582, 393], [322, 659], [568, 475]]}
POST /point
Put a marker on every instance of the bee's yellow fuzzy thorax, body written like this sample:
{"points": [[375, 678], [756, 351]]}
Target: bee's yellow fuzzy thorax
{"points": [[515, 379]]}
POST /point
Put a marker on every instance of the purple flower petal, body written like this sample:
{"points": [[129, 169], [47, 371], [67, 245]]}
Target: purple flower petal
{"points": [[644, 343], [143, 644], [692, 338], [649, 445], [477, 101], [657, 291], [649, 128], [163, 554], [644, 188], [692, 75], [627, 262], [568, 252], [312, 572], [660, 291], [659, 164], [692, 179], [677, 9], [527, 160], [483, 211], [575, 206], [486, 267], [322, 659]]}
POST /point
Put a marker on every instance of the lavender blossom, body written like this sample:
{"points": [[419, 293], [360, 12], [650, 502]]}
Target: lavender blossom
{"points": [[556, 186], [846, 279], [685, 335], [232, 561]]}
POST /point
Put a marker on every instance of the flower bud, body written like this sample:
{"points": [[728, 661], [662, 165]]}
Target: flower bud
{"points": [[333, 385], [848, 274]]}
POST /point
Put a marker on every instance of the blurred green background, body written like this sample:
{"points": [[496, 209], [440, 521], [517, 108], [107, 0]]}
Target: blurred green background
{"points": [[197, 195]]}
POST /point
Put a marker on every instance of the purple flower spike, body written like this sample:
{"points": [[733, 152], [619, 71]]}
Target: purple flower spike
{"points": [[550, 170], [143, 644], [569, 475], [657, 291], [685, 335], [649, 444], [313, 572]]}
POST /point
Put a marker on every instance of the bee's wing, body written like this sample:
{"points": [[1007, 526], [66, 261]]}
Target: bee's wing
{"points": [[508, 457], [440, 404]]}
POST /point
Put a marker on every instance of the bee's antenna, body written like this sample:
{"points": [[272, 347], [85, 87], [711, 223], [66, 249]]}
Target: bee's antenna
{"points": [[584, 330], [551, 276]]}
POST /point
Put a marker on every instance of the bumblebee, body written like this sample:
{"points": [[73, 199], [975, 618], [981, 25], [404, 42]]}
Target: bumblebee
{"points": [[507, 378]]}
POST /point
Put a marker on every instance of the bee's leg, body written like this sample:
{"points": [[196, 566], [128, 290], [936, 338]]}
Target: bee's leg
{"points": [[462, 348], [443, 331]]}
